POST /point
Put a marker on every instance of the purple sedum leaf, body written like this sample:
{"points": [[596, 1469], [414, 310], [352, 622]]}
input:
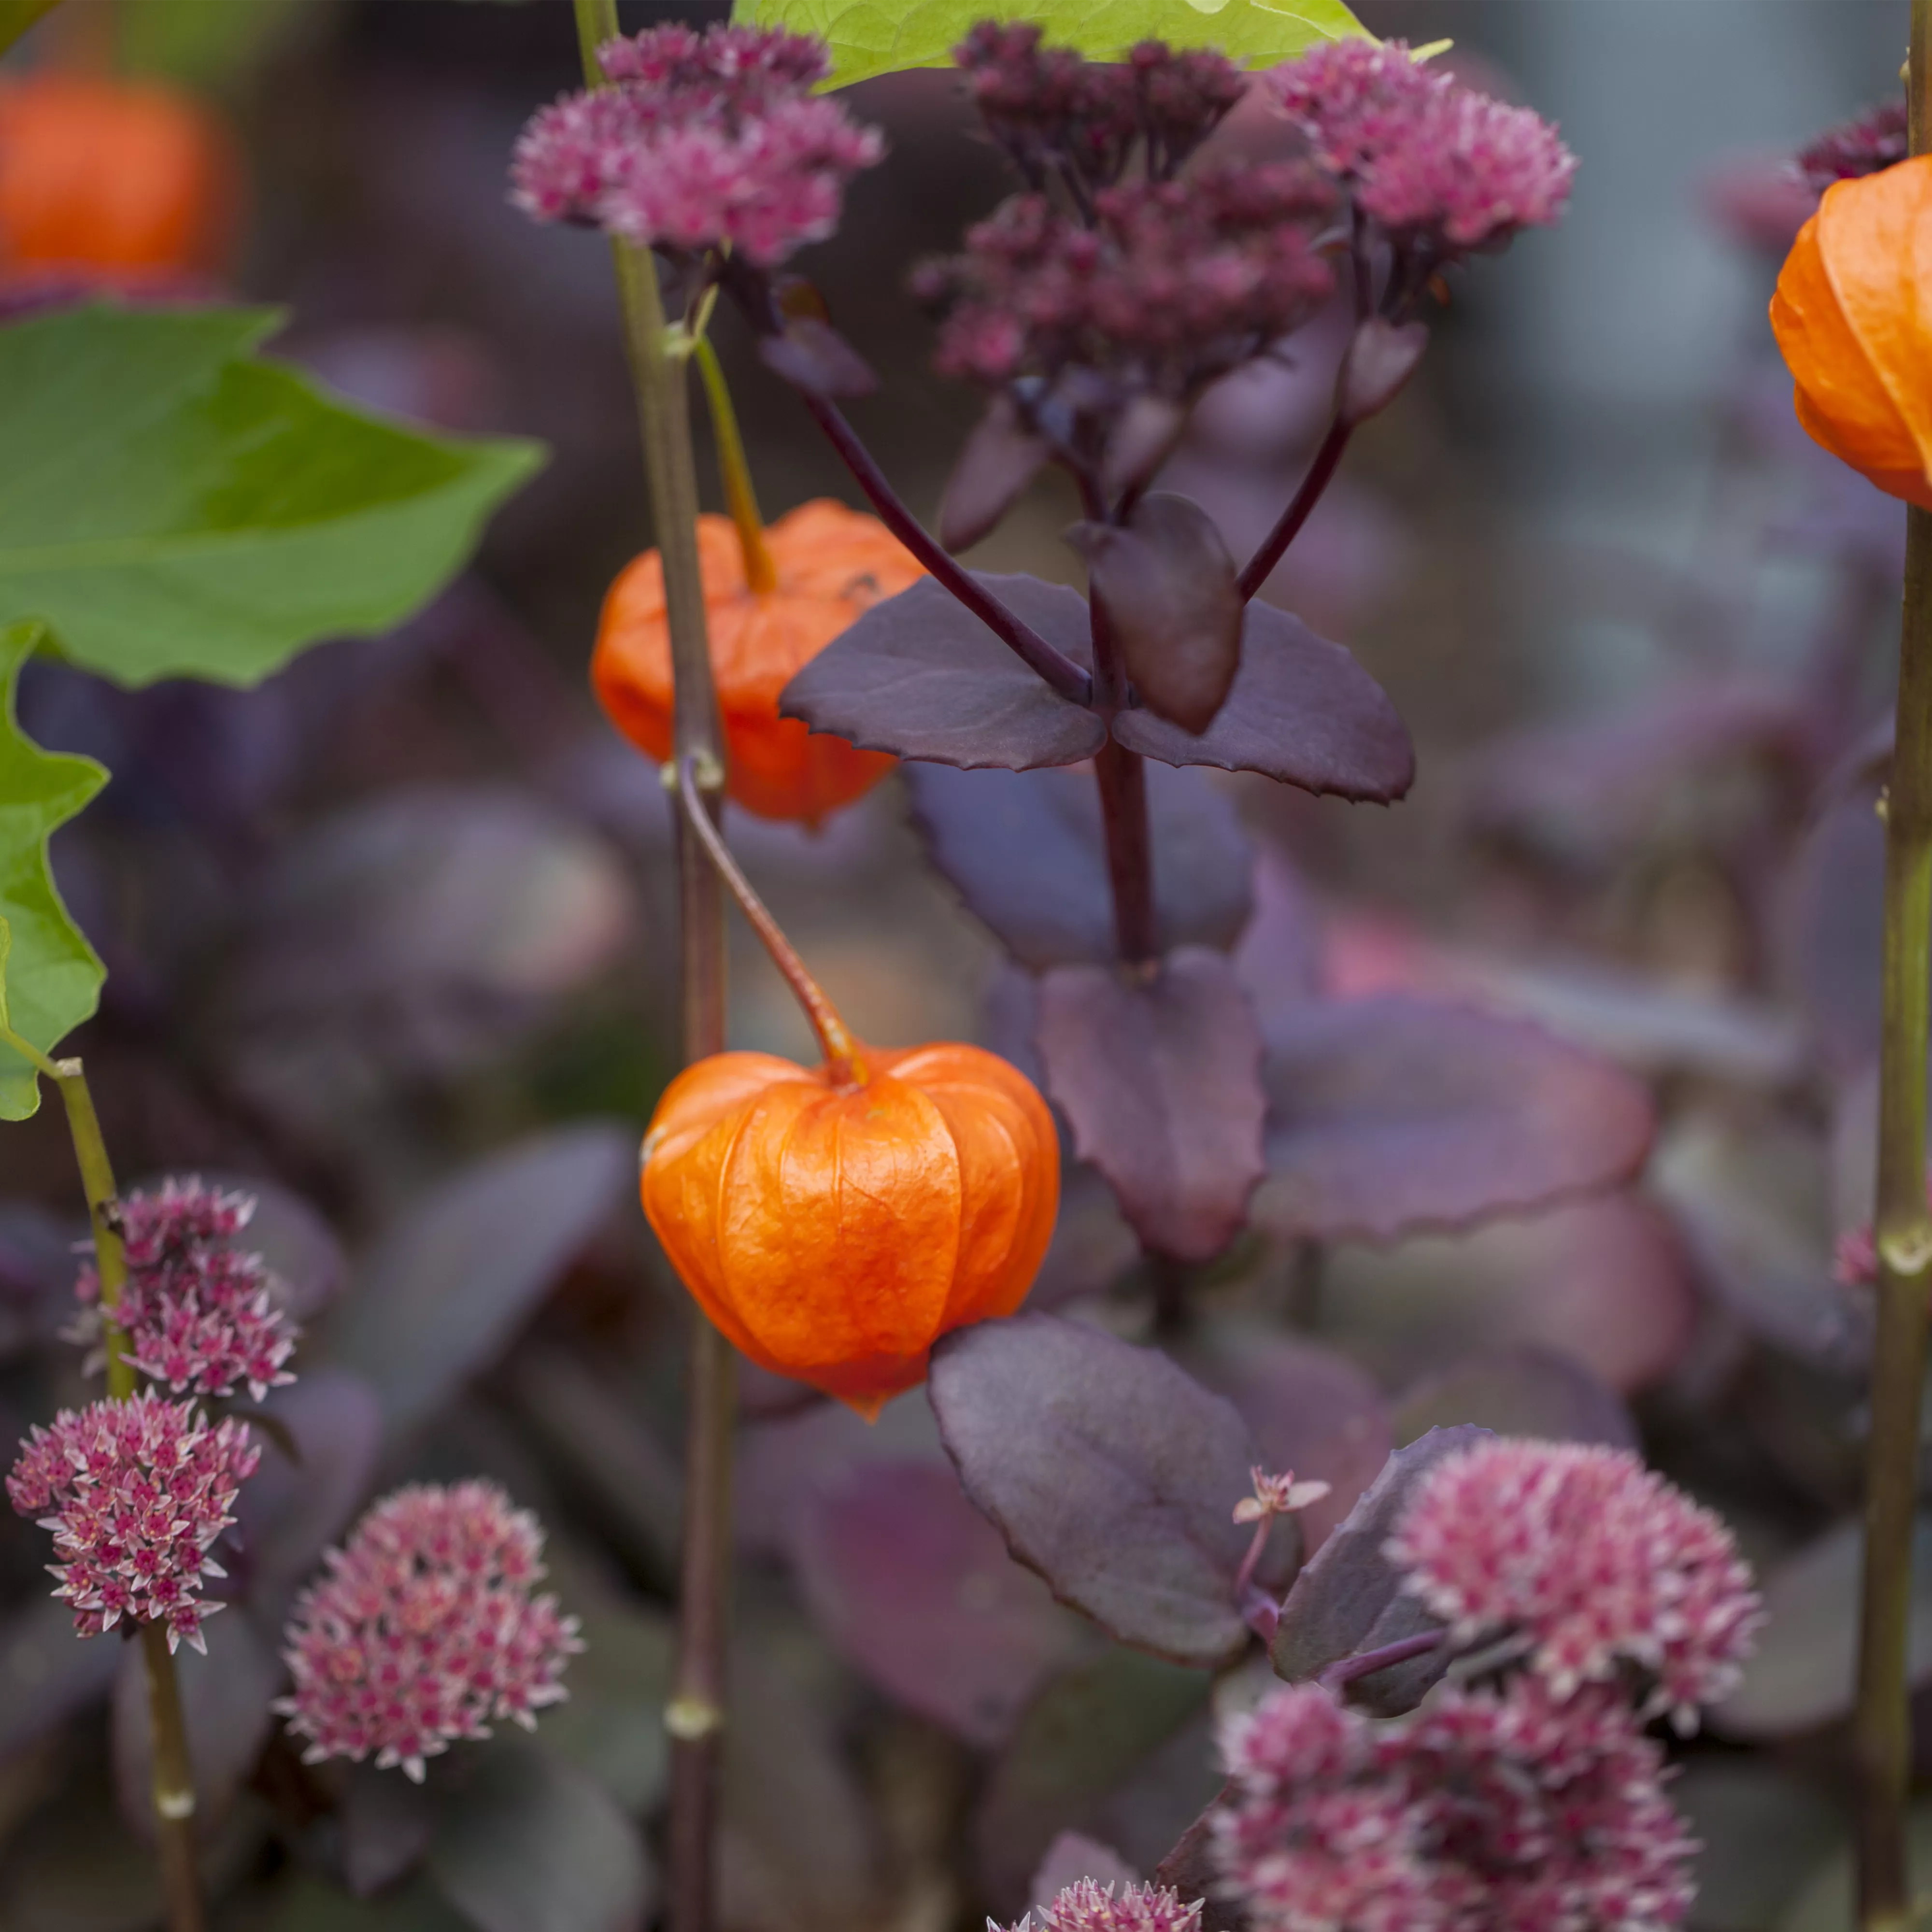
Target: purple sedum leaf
{"points": [[1521, 1391], [1001, 458]]}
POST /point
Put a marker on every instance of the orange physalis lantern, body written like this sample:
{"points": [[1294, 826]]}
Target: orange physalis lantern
{"points": [[113, 180], [831, 565], [1853, 315], [835, 1222]]}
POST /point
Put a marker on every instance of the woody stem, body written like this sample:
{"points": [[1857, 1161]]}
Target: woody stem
{"points": [[834, 1041], [173, 1774], [695, 1715], [761, 576], [1882, 1721]]}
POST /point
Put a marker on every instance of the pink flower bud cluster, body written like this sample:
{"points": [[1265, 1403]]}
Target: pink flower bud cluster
{"points": [[1592, 1561], [1056, 114], [1442, 168], [1175, 283], [1479, 1813], [198, 1316], [1088, 1906], [700, 140], [1877, 140], [135, 1493], [424, 1628]]}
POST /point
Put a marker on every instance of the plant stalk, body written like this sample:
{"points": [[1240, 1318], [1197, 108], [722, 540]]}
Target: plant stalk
{"points": [[695, 1714], [1882, 1722], [1121, 776], [1260, 567], [761, 575], [173, 1771]]}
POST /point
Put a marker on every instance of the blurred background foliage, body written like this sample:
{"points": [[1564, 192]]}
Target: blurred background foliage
{"points": [[389, 942]]}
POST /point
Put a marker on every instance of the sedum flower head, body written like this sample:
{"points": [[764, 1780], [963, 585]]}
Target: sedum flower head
{"points": [[1878, 139], [1089, 1906], [700, 140], [425, 1628], [135, 1493], [1442, 168], [1479, 1813], [1593, 1561], [199, 1316], [1176, 282]]}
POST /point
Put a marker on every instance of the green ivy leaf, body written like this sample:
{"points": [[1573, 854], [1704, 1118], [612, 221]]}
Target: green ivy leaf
{"points": [[869, 37], [171, 505], [50, 976]]}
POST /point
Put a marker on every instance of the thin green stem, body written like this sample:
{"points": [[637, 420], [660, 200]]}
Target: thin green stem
{"points": [[695, 1715], [761, 575], [1882, 1722]]}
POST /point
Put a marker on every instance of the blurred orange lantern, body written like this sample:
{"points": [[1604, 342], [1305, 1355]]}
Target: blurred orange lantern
{"points": [[1853, 313], [117, 181], [832, 565], [834, 1223]]}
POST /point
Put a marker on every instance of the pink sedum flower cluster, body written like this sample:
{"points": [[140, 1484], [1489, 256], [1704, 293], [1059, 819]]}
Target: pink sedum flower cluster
{"points": [[425, 1628], [1479, 1813], [1086, 1906], [700, 140], [199, 1316], [1439, 165], [1594, 1561], [1176, 282], [135, 1493]]}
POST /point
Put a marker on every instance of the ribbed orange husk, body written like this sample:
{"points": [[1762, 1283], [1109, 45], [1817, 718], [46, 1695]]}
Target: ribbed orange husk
{"points": [[120, 181], [834, 1234], [833, 565], [1853, 313]]}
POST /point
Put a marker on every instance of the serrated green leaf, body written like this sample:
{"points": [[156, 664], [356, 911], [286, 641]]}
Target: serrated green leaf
{"points": [[869, 37], [51, 976], [172, 506]]}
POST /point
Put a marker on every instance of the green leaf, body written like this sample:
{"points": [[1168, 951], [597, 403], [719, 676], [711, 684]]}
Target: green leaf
{"points": [[17, 16], [171, 505], [50, 977], [869, 37]]}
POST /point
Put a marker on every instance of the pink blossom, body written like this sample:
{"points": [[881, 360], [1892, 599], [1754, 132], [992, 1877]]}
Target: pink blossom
{"points": [[1088, 1906], [198, 1316], [425, 1628], [1479, 1813], [1855, 1259], [1278, 1495], [135, 1493], [1878, 139], [1437, 164], [1591, 1559], [701, 141]]}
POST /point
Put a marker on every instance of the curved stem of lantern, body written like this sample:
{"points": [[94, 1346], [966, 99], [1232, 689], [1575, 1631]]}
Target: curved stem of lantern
{"points": [[1882, 1722], [695, 1715], [761, 576], [835, 1038]]}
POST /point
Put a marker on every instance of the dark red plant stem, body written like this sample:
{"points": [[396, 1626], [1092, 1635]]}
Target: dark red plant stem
{"points": [[1344, 1672], [1260, 567], [1058, 670], [1122, 776]]}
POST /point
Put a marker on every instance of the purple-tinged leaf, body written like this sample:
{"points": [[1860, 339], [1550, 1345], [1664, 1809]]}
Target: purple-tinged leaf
{"points": [[1189, 1870], [1348, 1598], [528, 1843], [1831, 930], [1072, 1857], [1802, 1672], [47, 1673], [449, 1284], [1160, 1079], [612, 1723], [1397, 1115], [1078, 1742], [915, 1586], [920, 676], [1382, 355], [1280, 956], [1092, 1247], [225, 1698], [1026, 852], [1311, 1412], [289, 1513], [1165, 584], [811, 355], [1521, 1391], [1001, 458], [1301, 710], [1143, 439], [386, 1823], [1111, 1473]]}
